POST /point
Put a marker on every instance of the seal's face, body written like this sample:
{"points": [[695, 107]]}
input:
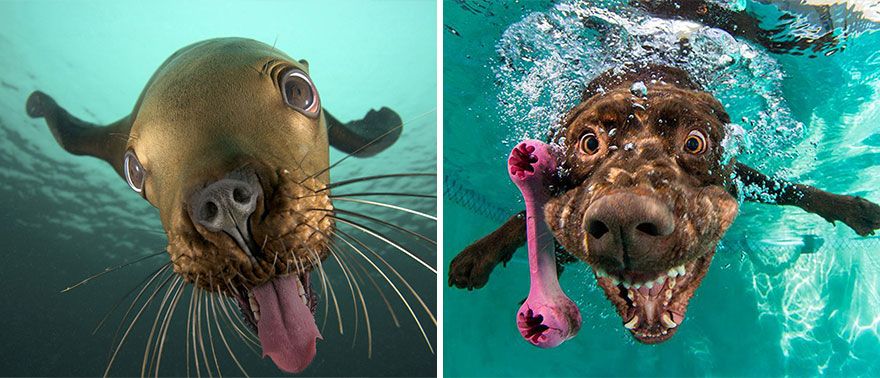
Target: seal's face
{"points": [[648, 204], [233, 151]]}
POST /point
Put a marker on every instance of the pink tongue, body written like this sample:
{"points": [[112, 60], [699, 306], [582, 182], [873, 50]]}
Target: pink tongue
{"points": [[286, 327]]}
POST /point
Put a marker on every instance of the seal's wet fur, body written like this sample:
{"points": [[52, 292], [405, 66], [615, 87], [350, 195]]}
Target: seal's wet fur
{"points": [[641, 165]]}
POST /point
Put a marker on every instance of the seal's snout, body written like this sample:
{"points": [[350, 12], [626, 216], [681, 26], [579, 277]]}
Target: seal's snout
{"points": [[226, 206], [621, 226]]}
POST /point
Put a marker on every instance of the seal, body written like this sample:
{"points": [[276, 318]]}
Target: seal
{"points": [[229, 140]]}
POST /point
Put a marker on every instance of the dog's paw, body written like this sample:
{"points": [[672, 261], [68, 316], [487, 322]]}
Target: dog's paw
{"points": [[861, 215], [471, 268]]}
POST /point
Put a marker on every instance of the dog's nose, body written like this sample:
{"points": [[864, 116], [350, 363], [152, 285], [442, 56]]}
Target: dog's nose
{"points": [[226, 206], [623, 225]]}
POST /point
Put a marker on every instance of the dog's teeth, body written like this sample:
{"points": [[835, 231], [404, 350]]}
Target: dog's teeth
{"points": [[659, 281], [637, 285], [632, 323], [672, 272], [667, 321], [680, 270], [627, 284], [601, 273], [649, 284], [257, 315], [614, 280]]}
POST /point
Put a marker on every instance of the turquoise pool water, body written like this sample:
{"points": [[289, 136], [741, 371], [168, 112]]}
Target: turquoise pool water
{"points": [[65, 217], [787, 293]]}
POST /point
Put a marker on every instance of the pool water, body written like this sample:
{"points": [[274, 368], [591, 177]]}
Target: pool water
{"points": [[787, 294], [67, 217]]}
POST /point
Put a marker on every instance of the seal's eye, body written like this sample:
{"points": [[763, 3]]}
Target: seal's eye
{"points": [[589, 143], [135, 174], [299, 92], [695, 142]]}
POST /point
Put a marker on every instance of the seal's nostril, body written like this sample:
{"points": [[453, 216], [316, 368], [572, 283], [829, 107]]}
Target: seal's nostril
{"points": [[241, 195], [209, 211], [597, 229], [649, 228]]}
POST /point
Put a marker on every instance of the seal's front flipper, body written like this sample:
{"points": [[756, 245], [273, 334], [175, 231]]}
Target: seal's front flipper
{"points": [[365, 137], [861, 215], [79, 137]]}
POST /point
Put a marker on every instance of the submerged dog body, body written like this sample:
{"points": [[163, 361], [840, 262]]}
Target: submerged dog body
{"points": [[230, 141], [644, 194]]}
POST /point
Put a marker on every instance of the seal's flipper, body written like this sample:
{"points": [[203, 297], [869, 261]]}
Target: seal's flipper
{"points": [[365, 137], [79, 137], [861, 215]]}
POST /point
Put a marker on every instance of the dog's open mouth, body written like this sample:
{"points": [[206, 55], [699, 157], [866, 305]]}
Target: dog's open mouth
{"points": [[653, 305], [281, 311]]}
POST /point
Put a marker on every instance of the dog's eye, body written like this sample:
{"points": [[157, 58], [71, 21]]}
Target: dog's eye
{"points": [[135, 174], [695, 142], [589, 143], [299, 92]]}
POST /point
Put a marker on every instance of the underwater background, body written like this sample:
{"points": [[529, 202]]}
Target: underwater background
{"points": [[67, 217], [787, 294]]}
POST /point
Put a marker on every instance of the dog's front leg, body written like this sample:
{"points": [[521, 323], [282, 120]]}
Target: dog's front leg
{"points": [[861, 215], [473, 265]]}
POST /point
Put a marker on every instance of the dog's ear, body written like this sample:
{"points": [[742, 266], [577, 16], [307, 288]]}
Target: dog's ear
{"points": [[714, 106], [861, 215]]}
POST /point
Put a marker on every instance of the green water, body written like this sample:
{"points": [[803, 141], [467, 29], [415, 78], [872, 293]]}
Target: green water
{"points": [[765, 308], [67, 217]]}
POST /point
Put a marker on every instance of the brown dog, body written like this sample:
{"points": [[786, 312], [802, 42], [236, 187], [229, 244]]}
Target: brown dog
{"points": [[646, 195]]}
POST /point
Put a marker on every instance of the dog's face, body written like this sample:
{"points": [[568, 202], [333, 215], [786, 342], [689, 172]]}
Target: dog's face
{"points": [[647, 202]]}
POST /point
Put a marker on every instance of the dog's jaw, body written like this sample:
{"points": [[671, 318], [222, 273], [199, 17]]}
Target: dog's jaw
{"points": [[653, 309]]}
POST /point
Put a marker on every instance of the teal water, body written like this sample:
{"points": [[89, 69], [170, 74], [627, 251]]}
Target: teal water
{"points": [[787, 293], [65, 217]]}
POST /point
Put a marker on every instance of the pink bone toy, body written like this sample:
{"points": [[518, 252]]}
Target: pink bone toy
{"points": [[547, 317]]}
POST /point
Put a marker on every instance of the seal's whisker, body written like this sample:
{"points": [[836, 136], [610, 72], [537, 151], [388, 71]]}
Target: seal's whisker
{"points": [[222, 336], [350, 289], [340, 251], [381, 204], [198, 329], [381, 292], [330, 286], [111, 269], [376, 235], [133, 322], [400, 277], [376, 177], [210, 333], [363, 305], [399, 294], [393, 194], [167, 324], [165, 298], [149, 278], [370, 143], [394, 226], [245, 336], [190, 332]]}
